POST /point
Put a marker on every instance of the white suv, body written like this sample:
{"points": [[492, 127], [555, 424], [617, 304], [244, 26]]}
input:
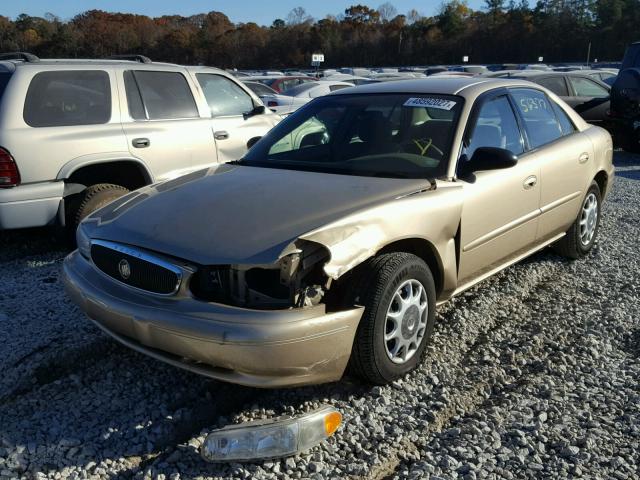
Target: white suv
{"points": [[76, 134]]}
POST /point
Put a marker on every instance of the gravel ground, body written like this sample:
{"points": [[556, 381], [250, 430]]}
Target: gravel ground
{"points": [[532, 374]]}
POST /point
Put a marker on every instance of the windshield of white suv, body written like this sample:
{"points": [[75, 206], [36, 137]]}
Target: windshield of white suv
{"points": [[382, 135]]}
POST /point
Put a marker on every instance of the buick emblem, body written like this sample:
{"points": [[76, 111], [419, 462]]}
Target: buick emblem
{"points": [[124, 268]]}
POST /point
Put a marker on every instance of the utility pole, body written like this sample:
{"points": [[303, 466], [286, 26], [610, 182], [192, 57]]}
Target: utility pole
{"points": [[589, 53]]}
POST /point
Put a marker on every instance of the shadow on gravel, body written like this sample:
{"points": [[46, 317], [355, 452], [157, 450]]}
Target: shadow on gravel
{"points": [[631, 344], [630, 174], [625, 159], [16, 244], [103, 402]]}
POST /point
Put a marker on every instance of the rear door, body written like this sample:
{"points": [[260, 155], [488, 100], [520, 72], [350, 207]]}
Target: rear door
{"points": [[230, 106], [563, 154], [589, 98], [163, 124]]}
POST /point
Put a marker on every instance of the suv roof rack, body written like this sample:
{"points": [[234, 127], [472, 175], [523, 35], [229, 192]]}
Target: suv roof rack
{"points": [[24, 56], [134, 58]]}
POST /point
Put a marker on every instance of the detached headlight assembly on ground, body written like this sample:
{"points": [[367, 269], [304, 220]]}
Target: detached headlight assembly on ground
{"points": [[272, 438]]}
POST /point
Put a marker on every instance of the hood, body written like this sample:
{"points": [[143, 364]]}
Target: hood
{"points": [[238, 214]]}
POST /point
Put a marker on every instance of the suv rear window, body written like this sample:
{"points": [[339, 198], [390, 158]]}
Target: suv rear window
{"points": [[65, 98]]}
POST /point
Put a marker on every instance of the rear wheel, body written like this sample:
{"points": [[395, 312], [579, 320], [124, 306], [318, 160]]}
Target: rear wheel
{"points": [[398, 293], [93, 198], [581, 237]]}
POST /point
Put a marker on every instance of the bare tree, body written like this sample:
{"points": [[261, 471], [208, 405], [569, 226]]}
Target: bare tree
{"points": [[413, 16], [387, 12], [298, 16]]}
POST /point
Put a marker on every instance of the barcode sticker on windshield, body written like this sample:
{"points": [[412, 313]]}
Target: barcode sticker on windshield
{"points": [[429, 102]]}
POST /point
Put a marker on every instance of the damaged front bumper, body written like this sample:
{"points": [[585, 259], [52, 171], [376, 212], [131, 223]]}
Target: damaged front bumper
{"points": [[259, 348]]}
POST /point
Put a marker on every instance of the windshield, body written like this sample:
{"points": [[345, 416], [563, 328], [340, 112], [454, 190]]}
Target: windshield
{"points": [[382, 135]]}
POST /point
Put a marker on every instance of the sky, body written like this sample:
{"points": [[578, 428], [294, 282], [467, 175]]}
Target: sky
{"points": [[262, 12]]}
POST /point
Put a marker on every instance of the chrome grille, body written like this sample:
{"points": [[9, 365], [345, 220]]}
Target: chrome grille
{"points": [[136, 268]]}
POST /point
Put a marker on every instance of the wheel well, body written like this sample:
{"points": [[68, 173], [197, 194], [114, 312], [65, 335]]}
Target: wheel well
{"points": [[424, 250], [601, 179], [126, 173]]}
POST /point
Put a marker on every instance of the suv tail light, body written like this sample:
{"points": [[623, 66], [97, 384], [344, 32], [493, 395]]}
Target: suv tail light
{"points": [[9, 174], [272, 103]]}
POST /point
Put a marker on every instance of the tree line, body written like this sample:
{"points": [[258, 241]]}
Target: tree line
{"points": [[501, 31]]}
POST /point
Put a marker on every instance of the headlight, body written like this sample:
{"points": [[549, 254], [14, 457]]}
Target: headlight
{"points": [[83, 241], [275, 438]]}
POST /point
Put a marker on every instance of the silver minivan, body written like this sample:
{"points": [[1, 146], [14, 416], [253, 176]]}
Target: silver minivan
{"points": [[76, 134]]}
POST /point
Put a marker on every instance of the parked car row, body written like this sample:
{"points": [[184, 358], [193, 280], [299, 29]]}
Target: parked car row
{"points": [[293, 98]]}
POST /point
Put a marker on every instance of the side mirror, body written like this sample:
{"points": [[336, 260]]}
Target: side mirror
{"points": [[252, 142], [257, 110], [489, 158]]}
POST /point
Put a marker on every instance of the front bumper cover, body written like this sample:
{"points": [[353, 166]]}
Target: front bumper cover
{"points": [[259, 348]]}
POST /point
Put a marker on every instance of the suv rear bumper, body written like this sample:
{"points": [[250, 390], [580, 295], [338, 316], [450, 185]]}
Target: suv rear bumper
{"points": [[31, 205], [260, 348]]}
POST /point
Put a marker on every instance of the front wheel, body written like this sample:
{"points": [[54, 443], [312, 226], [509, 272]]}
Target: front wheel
{"points": [[581, 237], [398, 293]]}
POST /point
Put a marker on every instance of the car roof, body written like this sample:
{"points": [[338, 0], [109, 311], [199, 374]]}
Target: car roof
{"points": [[276, 77], [438, 86], [82, 61], [572, 73], [61, 64]]}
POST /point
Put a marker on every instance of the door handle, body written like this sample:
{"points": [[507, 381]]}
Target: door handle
{"points": [[140, 142], [530, 182], [584, 158], [221, 135]]}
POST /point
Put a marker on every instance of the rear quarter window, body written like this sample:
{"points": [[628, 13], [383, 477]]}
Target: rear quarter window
{"points": [[4, 81], [66, 98]]}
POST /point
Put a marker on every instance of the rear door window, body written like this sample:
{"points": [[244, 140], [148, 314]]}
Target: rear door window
{"points": [[225, 97], [153, 95], [65, 98], [540, 120], [556, 84]]}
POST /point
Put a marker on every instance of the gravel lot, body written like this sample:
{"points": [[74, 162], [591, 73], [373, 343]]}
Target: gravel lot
{"points": [[533, 374]]}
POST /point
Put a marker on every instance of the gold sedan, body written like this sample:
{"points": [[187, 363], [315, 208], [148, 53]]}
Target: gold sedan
{"points": [[329, 245]]}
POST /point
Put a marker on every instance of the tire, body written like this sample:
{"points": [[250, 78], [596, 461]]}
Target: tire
{"points": [[93, 198], [374, 286], [575, 244]]}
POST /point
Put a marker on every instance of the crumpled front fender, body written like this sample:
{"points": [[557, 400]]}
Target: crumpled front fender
{"points": [[432, 216]]}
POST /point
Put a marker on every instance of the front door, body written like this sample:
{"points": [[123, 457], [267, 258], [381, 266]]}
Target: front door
{"points": [[233, 123], [501, 207]]}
